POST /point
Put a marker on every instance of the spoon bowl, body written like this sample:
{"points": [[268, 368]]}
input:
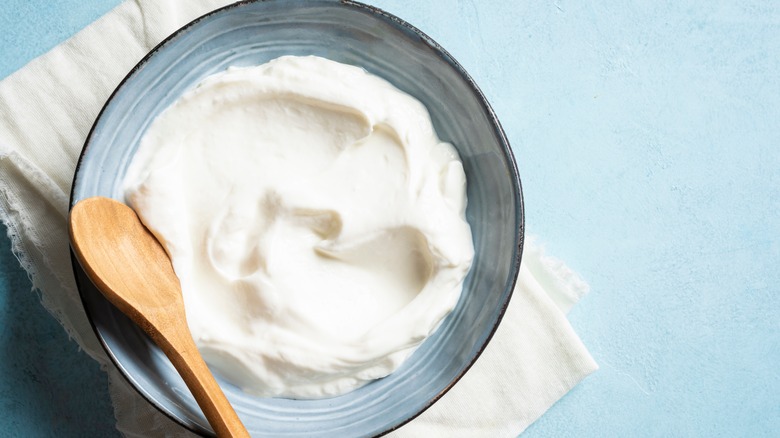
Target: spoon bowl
{"points": [[252, 32]]}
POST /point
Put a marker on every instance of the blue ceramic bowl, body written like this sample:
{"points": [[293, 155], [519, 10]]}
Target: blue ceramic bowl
{"points": [[251, 33]]}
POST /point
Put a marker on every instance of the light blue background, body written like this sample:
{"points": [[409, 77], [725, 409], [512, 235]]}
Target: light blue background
{"points": [[648, 140]]}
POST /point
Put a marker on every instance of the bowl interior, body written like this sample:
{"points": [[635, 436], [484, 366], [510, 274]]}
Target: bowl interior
{"points": [[251, 33]]}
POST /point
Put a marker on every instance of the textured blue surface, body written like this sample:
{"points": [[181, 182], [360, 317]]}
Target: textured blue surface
{"points": [[648, 141], [47, 386]]}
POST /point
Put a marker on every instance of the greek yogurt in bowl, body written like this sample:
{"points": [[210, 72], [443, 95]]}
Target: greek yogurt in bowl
{"points": [[315, 221]]}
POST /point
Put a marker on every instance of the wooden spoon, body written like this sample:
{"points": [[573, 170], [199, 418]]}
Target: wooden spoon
{"points": [[133, 271]]}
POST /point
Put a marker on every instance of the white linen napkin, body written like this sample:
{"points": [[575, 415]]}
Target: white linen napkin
{"points": [[47, 109]]}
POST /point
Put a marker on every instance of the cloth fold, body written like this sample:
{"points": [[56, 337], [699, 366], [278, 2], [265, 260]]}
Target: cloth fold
{"points": [[47, 110]]}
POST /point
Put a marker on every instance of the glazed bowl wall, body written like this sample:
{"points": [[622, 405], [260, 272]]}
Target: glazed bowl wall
{"points": [[251, 33]]}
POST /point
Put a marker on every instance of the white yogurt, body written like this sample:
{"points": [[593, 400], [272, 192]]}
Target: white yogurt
{"points": [[315, 220]]}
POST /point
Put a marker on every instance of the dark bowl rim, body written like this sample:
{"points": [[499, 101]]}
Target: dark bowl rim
{"points": [[439, 51]]}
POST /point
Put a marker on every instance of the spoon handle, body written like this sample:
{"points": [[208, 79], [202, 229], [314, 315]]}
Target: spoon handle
{"points": [[180, 348]]}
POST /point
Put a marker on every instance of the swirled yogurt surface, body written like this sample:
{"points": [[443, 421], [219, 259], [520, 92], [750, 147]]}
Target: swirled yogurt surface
{"points": [[315, 220]]}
